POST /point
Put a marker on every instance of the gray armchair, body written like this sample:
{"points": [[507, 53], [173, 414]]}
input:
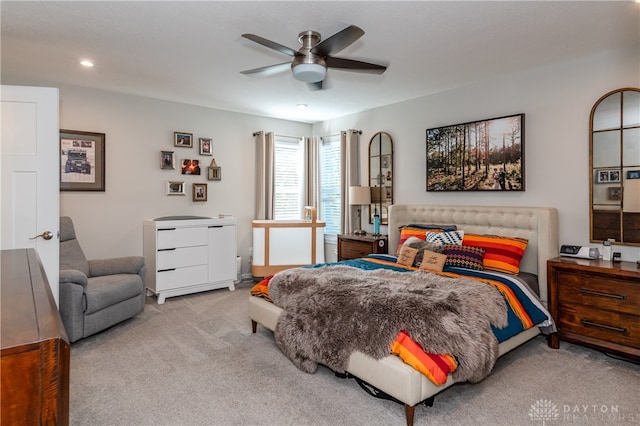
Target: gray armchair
{"points": [[96, 294]]}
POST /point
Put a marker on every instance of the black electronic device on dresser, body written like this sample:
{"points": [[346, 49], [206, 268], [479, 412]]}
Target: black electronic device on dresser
{"points": [[595, 303], [352, 246]]}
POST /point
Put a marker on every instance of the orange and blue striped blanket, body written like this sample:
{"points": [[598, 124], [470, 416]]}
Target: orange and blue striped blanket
{"points": [[524, 311]]}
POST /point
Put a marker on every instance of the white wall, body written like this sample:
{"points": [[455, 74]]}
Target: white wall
{"points": [[109, 223], [557, 101]]}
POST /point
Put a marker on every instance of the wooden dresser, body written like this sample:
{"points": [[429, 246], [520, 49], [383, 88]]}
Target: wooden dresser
{"points": [[356, 246], [34, 357], [595, 303]]}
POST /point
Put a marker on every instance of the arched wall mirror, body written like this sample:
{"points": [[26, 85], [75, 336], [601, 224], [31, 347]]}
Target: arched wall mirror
{"points": [[381, 176], [615, 167]]}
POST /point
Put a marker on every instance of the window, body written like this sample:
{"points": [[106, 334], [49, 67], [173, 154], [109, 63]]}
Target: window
{"points": [[329, 181], [289, 178]]}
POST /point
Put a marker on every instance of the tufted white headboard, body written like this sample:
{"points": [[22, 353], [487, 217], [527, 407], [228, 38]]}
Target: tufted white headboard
{"points": [[539, 225]]}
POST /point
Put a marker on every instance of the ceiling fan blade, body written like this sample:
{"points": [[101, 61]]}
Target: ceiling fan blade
{"points": [[270, 44], [315, 86], [353, 65], [338, 41], [269, 69]]}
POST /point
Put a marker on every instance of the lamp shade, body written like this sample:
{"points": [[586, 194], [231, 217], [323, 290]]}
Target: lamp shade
{"points": [[359, 195]]}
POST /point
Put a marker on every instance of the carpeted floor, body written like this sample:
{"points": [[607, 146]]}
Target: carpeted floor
{"points": [[194, 361]]}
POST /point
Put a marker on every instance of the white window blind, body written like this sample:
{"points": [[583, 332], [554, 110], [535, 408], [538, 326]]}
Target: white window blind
{"points": [[330, 193], [289, 178]]}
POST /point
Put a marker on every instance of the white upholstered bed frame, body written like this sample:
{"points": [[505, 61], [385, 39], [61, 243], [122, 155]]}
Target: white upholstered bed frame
{"points": [[392, 376]]}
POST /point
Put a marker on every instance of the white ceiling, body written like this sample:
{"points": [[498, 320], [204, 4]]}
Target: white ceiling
{"points": [[193, 52]]}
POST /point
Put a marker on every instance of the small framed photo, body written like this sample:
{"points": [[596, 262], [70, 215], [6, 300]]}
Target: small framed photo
{"points": [[386, 160], [176, 187], [199, 192], [614, 193], [190, 167], [168, 160], [214, 173], [609, 176], [183, 139], [206, 146], [633, 174]]}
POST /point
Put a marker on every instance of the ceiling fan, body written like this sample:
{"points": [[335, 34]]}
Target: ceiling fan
{"points": [[311, 61]]}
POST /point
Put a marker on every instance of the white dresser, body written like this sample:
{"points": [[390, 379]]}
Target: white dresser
{"points": [[186, 255]]}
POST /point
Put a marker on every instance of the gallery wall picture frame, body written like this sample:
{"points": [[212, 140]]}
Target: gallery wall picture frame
{"points": [[199, 192], [82, 161], [608, 176], [484, 155], [167, 160], [183, 139], [633, 174], [176, 187], [214, 173], [190, 166], [206, 146], [614, 193]]}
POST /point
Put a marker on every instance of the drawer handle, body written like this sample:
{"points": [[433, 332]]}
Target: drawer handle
{"points": [[167, 249], [215, 226], [606, 327], [166, 229], [354, 251], [166, 270], [597, 293]]}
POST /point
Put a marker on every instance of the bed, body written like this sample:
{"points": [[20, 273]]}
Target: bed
{"points": [[390, 376]]}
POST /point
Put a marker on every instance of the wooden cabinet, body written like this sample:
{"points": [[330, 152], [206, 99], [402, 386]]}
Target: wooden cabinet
{"points": [[186, 256], [35, 351], [355, 246], [595, 303]]}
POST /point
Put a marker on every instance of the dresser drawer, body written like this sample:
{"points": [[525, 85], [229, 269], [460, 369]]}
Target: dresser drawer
{"points": [[171, 279], [355, 249], [611, 326], [181, 257], [606, 293], [182, 237]]}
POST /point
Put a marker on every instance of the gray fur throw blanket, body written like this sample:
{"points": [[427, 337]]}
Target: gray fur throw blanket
{"points": [[331, 311]]}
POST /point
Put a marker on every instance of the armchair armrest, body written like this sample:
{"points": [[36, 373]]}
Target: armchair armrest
{"points": [[73, 276], [119, 265]]}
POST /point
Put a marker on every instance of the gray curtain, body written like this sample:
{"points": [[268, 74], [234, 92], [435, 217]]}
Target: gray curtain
{"points": [[311, 175], [349, 161], [264, 175]]}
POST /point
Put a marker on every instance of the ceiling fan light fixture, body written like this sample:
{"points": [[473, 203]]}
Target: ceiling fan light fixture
{"points": [[309, 73]]}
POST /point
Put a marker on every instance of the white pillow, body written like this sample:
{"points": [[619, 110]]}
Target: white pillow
{"points": [[450, 237]]}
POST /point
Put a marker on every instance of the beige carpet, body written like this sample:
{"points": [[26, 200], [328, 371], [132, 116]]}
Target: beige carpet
{"points": [[194, 361]]}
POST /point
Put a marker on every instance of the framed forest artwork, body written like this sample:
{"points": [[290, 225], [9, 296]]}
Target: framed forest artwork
{"points": [[486, 155]]}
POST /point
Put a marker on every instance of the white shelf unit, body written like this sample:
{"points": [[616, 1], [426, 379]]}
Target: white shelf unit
{"points": [[186, 256]]}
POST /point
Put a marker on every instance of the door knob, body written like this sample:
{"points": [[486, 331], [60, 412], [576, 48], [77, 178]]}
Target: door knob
{"points": [[46, 235]]}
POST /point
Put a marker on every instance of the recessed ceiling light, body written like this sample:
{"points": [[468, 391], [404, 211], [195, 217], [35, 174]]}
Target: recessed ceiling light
{"points": [[302, 106], [86, 63]]}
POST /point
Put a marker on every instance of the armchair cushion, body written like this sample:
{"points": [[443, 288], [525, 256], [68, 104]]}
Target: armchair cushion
{"points": [[120, 265], [73, 276], [71, 255], [106, 291]]}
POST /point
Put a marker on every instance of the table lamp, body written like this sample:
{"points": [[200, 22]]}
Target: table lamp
{"points": [[359, 196]]}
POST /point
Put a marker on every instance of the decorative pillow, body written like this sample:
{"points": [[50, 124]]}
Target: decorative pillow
{"points": [[451, 237], [502, 254], [417, 243], [419, 230], [464, 256], [406, 255], [432, 261]]}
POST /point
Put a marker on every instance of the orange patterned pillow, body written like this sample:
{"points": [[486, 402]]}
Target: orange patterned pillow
{"points": [[502, 254]]}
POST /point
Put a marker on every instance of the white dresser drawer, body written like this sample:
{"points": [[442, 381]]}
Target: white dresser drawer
{"points": [[183, 256], [182, 237], [172, 279]]}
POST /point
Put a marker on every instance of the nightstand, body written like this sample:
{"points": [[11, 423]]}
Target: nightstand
{"points": [[355, 246], [595, 303]]}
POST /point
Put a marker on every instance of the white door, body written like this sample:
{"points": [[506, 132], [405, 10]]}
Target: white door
{"points": [[30, 174]]}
